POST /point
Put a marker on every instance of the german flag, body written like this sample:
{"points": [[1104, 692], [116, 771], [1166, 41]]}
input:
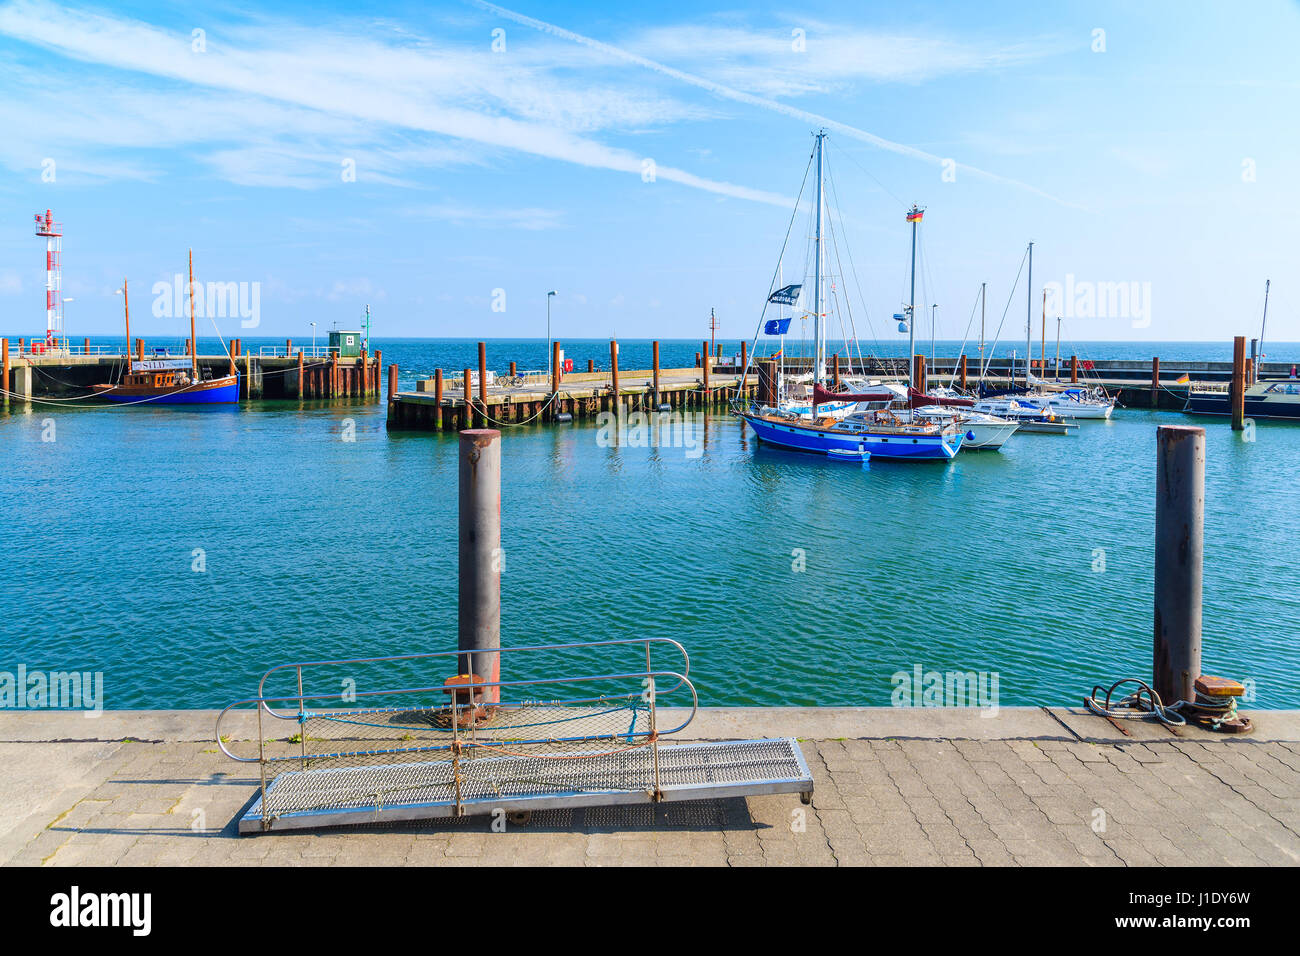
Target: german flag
{"points": [[1182, 380], [915, 215]]}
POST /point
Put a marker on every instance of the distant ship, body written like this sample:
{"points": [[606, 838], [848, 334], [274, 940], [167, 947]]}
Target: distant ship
{"points": [[169, 381]]}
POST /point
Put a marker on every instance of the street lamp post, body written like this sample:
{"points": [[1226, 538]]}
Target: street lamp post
{"points": [[65, 326], [549, 370]]}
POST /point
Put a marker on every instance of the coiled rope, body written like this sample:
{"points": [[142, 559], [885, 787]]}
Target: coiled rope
{"points": [[1145, 702]]}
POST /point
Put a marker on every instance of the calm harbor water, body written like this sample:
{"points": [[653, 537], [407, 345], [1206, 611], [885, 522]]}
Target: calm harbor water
{"points": [[1035, 563]]}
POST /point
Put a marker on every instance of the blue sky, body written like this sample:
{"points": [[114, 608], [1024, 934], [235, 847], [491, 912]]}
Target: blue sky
{"points": [[1170, 161]]}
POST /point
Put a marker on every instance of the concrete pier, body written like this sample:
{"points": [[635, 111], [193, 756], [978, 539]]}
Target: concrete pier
{"points": [[911, 786]]}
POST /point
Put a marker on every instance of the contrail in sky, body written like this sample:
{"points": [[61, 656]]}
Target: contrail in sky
{"points": [[739, 96]]}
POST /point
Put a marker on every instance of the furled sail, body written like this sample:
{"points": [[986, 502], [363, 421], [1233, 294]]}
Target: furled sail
{"points": [[919, 399], [821, 396]]}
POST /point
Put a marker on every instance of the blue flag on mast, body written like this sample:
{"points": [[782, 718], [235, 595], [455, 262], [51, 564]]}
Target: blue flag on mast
{"points": [[776, 326], [787, 295]]}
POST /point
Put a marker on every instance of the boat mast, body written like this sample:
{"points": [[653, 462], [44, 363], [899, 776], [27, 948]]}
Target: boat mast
{"points": [[983, 294], [914, 216], [126, 310], [1029, 315], [1263, 322], [1042, 364], [1056, 372], [819, 347], [194, 345]]}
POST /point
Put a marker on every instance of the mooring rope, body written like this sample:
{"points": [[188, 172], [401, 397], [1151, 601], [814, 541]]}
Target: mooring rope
{"points": [[1145, 702]]}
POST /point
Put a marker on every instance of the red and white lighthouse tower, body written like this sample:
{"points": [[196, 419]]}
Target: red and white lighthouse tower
{"points": [[53, 234]]}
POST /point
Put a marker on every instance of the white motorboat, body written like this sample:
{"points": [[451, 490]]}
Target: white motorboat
{"points": [[1071, 402]]}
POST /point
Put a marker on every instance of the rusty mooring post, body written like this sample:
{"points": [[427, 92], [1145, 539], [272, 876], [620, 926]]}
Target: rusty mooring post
{"points": [[1155, 381], [392, 382], [654, 361], [482, 382], [1180, 547], [480, 556], [613, 376]]}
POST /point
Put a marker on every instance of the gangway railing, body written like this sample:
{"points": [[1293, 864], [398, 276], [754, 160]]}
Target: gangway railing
{"points": [[469, 744]]}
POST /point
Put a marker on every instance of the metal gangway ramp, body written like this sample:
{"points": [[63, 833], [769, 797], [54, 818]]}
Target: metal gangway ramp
{"points": [[429, 735]]}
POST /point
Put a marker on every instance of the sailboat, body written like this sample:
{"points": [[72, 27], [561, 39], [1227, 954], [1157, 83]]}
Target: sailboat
{"points": [[872, 429], [169, 381]]}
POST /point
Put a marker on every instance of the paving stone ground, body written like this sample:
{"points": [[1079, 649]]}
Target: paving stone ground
{"points": [[1037, 798]]}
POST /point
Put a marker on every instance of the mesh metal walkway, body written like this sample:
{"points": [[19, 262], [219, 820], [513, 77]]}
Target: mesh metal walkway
{"points": [[696, 771], [476, 751]]}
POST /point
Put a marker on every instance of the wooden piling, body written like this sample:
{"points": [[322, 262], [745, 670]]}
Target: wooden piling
{"points": [[591, 365], [654, 359], [1237, 390], [437, 399], [288, 347], [555, 377], [4, 360], [1180, 548], [139, 350], [469, 391], [300, 373], [767, 382], [334, 374], [513, 371], [85, 346], [705, 366], [1074, 369], [378, 370], [392, 382], [479, 590], [835, 375], [613, 374], [482, 383], [1155, 381]]}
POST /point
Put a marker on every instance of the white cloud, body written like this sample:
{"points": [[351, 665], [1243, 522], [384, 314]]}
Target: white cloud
{"points": [[741, 96], [338, 79], [765, 62]]}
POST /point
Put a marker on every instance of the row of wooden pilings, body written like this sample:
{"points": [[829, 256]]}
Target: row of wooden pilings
{"points": [[471, 408]]}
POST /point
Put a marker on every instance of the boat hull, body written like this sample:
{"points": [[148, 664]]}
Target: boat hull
{"points": [[799, 437], [987, 434], [221, 391], [803, 439], [1259, 408]]}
